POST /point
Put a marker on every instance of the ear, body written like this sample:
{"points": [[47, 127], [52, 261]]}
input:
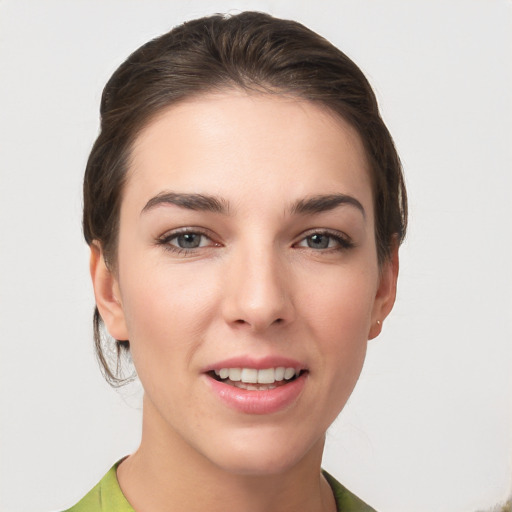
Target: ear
{"points": [[107, 294], [386, 293]]}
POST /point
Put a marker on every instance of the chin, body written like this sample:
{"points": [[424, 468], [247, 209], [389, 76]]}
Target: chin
{"points": [[265, 454]]}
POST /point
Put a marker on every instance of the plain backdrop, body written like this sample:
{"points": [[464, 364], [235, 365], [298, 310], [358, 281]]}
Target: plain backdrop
{"points": [[429, 426]]}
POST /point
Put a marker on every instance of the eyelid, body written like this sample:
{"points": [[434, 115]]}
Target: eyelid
{"points": [[344, 241], [183, 231], [164, 240]]}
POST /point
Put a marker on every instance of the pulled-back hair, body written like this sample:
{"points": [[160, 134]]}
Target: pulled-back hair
{"points": [[250, 51]]}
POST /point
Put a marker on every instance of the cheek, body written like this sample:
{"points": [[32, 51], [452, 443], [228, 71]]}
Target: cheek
{"points": [[338, 314], [166, 308], [340, 302]]}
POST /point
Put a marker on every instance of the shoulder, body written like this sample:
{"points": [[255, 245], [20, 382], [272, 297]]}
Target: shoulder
{"points": [[345, 500], [106, 496]]}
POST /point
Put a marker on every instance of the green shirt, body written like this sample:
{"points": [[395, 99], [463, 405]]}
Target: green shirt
{"points": [[108, 497]]}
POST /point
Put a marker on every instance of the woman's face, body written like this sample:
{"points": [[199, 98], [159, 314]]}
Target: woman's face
{"points": [[246, 249]]}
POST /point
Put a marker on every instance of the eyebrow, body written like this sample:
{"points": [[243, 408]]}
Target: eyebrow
{"points": [[324, 203], [203, 202], [198, 202]]}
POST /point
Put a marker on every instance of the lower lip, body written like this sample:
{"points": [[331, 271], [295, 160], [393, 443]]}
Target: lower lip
{"points": [[266, 401]]}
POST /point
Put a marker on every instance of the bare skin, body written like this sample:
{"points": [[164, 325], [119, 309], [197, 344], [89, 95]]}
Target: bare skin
{"points": [[279, 261], [199, 485]]}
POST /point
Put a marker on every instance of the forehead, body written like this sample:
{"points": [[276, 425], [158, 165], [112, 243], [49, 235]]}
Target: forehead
{"points": [[235, 143]]}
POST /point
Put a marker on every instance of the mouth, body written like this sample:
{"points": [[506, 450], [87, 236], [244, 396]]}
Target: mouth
{"points": [[253, 379]]}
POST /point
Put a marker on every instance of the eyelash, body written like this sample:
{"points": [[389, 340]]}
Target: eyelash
{"points": [[343, 242], [165, 241]]}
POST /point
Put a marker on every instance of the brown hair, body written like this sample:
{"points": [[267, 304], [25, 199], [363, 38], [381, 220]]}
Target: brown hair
{"points": [[249, 51]]}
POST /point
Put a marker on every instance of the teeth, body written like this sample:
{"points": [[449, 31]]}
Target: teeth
{"points": [[253, 376], [289, 373], [253, 387], [249, 375], [279, 373], [235, 374], [266, 376]]}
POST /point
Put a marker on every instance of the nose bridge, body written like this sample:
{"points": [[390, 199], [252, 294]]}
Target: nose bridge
{"points": [[257, 294]]}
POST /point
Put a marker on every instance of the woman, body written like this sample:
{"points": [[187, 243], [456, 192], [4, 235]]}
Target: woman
{"points": [[244, 205]]}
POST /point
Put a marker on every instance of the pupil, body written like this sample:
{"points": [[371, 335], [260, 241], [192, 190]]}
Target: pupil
{"points": [[189, 240], [318, 241]]}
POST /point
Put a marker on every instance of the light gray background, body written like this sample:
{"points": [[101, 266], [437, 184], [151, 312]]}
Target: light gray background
{"points": [[429, 427]]}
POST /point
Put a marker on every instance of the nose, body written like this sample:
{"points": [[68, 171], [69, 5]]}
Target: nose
{"points": [[258, 294]]}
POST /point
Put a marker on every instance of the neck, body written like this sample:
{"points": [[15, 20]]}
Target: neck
{"points": [[167, 474]]}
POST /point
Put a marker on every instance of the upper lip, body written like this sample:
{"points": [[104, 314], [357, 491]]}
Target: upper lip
{"points": [[260, 363]]}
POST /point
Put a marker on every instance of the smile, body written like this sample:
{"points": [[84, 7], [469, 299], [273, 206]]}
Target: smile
{"points": [[254, 379]]}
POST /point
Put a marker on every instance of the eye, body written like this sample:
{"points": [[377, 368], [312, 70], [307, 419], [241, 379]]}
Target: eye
{"points": [[189, 240], [185, 241], [319, 241], [325, 240]]}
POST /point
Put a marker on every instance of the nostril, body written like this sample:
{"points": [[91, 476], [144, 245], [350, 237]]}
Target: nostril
{"points": [[241, 321]]}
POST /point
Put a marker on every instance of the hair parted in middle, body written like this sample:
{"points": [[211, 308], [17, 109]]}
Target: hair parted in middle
{"points": [[253, 52]]}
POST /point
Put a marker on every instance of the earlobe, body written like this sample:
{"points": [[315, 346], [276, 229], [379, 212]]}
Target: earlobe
{"points": [[386, 293], [107, 295]]}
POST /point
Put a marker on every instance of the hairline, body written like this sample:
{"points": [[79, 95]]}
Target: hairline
{"points": [[223, 88]]}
